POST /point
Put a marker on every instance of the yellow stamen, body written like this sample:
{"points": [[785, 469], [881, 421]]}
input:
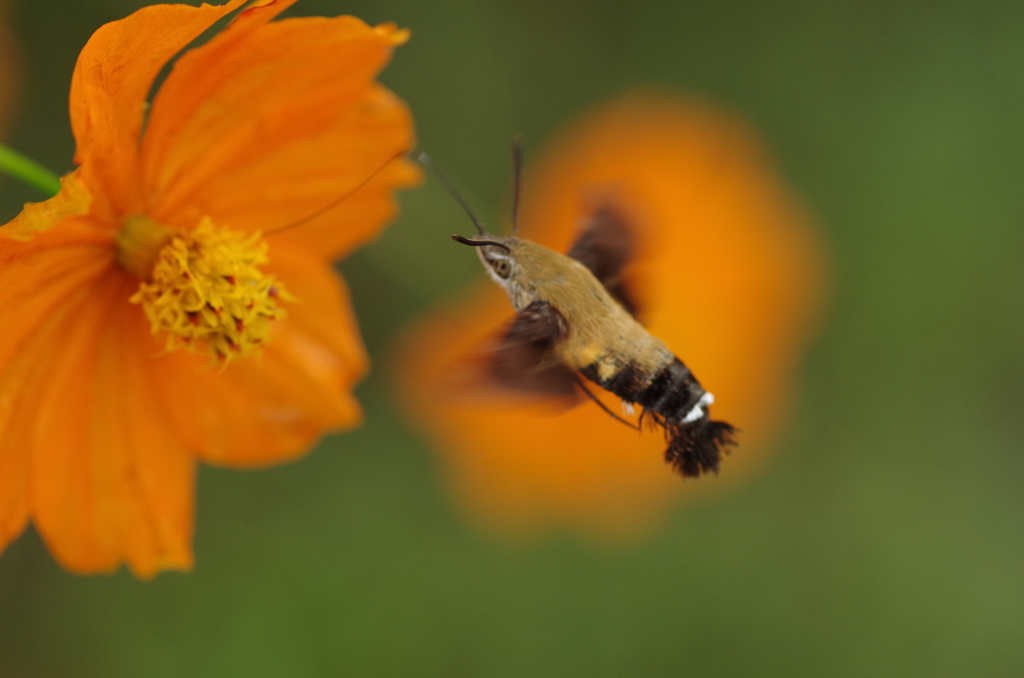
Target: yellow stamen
{"points": [[205, 290]]}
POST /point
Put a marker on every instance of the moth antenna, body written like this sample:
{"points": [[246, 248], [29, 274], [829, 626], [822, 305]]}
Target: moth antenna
{"points": [[425, 160], [344, 197], [480, 243], [517, 164], [603, 406]]}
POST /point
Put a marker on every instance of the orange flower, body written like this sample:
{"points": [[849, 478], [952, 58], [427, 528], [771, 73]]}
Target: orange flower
{"points": [[147, 323], [728, 274]]}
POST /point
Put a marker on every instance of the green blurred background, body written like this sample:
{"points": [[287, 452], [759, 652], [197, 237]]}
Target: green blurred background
{"points": [[884, 537]]}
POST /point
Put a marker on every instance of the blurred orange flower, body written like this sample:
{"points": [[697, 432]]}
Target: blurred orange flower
{"points": [[728, 274], [154, 244]]}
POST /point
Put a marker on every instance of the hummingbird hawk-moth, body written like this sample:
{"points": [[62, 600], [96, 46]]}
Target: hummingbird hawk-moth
{"points": [[575, 319]]}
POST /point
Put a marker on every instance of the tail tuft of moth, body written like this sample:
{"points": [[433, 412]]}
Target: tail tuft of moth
{"points": [[697, 447]]}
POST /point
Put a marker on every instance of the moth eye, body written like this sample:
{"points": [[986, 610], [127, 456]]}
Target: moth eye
{"points": [[502, 267]]}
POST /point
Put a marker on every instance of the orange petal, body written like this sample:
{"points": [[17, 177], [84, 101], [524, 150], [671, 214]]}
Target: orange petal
{"points": [[36, 279], [270, 122], [354, 217], [728, 274], [72, 200], [109, 481], [266, 409], [111, 81]]}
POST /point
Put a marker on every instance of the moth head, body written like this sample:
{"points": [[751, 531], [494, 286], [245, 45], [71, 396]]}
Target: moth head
{"points": [[497, 254]]}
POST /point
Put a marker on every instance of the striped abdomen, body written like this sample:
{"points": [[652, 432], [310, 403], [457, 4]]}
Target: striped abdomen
{"points": [[675, 399]]}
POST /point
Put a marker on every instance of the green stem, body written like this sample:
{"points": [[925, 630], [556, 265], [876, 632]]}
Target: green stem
{"points": [[28, 170]]}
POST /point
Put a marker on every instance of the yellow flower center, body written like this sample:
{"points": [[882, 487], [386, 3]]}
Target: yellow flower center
{"points": [[202, 287]]}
